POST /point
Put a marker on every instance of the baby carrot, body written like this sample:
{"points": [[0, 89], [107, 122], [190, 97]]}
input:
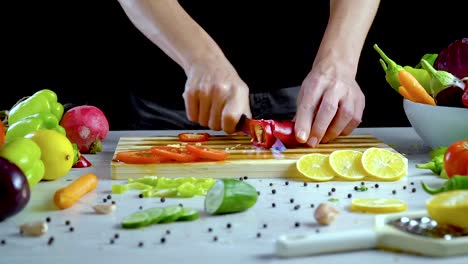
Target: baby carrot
{"points": [[414, 88], [70, 194], [402, 90]]}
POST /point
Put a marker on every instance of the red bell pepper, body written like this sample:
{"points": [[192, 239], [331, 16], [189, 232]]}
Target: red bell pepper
{"points": [[265, 132], [82, 162]]}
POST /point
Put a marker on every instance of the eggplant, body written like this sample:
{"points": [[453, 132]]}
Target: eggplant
{"points": [[14, 189]]}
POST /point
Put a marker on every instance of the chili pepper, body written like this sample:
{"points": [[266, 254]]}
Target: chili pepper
{"points": [[26, 154], [430, 58], [457, 182], [435, 165], [391, 69], [34, 122], [42, 101], [284, 131], [82, 162], [265, 132]]}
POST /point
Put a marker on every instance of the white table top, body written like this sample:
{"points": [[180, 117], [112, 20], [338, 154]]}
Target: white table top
{"points": [[190, 242]]}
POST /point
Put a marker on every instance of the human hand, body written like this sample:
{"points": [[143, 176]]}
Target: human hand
{"points": [[330, 103], [215, 96]]}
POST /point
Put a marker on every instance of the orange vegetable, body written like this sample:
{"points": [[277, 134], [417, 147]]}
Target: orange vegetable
{"points": [[414, 88], [402, 90], [70, 194]]}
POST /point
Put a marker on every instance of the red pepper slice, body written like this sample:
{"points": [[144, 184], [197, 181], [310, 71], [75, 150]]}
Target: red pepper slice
{"points": [[82, 162], [139, 157], [207, 153], [174, 153], [194, 136]]}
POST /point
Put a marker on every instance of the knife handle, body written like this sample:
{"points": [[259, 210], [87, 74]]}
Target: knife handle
{"points": [[313, 244]]}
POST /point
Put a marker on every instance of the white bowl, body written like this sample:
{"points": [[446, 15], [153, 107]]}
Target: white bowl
{"points": [[437, 125]]}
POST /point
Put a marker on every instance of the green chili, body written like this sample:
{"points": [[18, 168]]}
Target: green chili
{"points": [[457, 182], [430, 58], [435, 165], [440, 79]]}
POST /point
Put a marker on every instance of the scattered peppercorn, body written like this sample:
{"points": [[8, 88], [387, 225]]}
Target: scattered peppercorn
{"points": [[273, 205], [271, 184], [258, 192], [215, 238], [50, 241], [286, 183], [329, 193], [350, 195], [116, 236], [245, 177], [111, 241], [305, 184], [265, 225], [140, 195], [48, 219], [3, 242], [376, 185], [291, 200], [168, 232], [404, 187], [141, 207], [104, 200], [163, 240], [412, 183], [162, 199], [333, 189], [296, 207], [356, 188], [394, 192], [317, 230], [67, 222], [109, 196], [297, 224], [317, 185], [210, 229], [413, 190], [259, 234], [363, 183], [140, 244], [181, 205], [240, 179], [273, 191], [113, 202], [71, 229], [312, 205], [228, 225]]}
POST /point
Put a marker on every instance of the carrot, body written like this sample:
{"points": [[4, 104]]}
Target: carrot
{"points": [[414, 88], [70, 194], [402, 90]]}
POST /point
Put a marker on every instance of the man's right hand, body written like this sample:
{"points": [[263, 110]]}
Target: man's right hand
{"points": [[215, 96]]}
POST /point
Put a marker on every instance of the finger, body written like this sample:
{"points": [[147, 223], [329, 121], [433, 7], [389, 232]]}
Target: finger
{"points": [[204, 103], [219, 95], [234, 108], [190, 96], [356, 118], [305, 113], [341, 120], [325, 114]]}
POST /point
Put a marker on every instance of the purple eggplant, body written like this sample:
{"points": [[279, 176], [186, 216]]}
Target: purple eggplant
{"points": [[14, 189]]}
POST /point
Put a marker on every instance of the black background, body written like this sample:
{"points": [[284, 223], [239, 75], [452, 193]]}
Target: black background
{"points": [[84, 50]]}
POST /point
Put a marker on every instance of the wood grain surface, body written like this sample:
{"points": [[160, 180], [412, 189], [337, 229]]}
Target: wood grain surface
{"points": [[244, 159]]}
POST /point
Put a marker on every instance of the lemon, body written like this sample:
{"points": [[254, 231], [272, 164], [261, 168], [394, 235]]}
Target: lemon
{"points": [[450, 208], [56, 152], [315, 166], [384, 164], [347, 164], [377, 205]]}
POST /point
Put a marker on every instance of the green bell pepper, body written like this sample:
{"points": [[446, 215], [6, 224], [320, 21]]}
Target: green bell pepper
{"points": [[26, 154], [34, 122], [42, 101]]}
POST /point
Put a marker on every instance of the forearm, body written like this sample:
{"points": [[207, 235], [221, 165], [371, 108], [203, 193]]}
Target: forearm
{"points": [[347, 30], [166, 24]]}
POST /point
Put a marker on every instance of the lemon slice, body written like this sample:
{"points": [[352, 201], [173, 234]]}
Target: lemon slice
{"points": [[347, 164], [315, 166], [384, 164], [377, 205], [450, 208]]}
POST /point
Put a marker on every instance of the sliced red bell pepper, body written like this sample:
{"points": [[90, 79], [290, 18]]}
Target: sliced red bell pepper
{"points": [[194, 136], [265, 132], [82, 162]]}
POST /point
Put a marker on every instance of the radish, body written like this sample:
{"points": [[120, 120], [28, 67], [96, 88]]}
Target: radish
{"points": [[86, 126]]}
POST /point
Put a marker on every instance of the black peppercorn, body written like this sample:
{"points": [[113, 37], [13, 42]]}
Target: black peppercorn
{"points": [[333, 189], [50, 241], [356, 188], [317, 185], [297, 224], [350, 195], [116, 236], [67, 222], [291, 200], [273, 205], [259, 234], [286, 183], [109, 197], [413, 190], [271, 184], [3, 242], [104, 200], [245, 177], [163, 240], [140, 244], [48, 219], [210, 229], [215, 238], [394, 192], [228, 225], [71, 229], [265, 225], [296, 207], [376, 185], [305, 184], [273, 191], [312, 205], [111, 241], [140, 195], [162, 199]]}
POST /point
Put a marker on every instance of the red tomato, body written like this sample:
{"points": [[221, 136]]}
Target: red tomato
{"points": [[2, 133], [174, 153], [207, 153], [193, 137], [139, 157], [456, 158]]}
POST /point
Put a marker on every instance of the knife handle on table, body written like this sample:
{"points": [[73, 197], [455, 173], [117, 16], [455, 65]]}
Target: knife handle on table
{"points": [[314, 244]]}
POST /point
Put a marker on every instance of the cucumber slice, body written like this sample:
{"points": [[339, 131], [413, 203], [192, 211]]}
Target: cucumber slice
{"points": [[230, 196], [189, 214], [171, 213], [136, 220], [156, 214]]}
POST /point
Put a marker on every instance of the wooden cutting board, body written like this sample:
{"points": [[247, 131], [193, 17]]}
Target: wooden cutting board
{"points": [[244, 159]]}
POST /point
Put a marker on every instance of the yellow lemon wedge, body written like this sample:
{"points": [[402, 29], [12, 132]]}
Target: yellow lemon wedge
{"points": [[377, 205], [449, 208], [384, 164], [347, 164], [315, 166]]}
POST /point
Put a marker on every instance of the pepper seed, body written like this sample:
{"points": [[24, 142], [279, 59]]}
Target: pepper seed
{"points": [[271, 184], [111, 241], [210, 229], [265, 225], [350, 195], [394, 192], [104, 200]]}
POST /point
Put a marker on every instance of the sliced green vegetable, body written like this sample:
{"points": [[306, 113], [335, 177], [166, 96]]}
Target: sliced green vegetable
{"points": [[136, 220], [230, 196], [189, 214], [156, 214], [172, 213]]}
